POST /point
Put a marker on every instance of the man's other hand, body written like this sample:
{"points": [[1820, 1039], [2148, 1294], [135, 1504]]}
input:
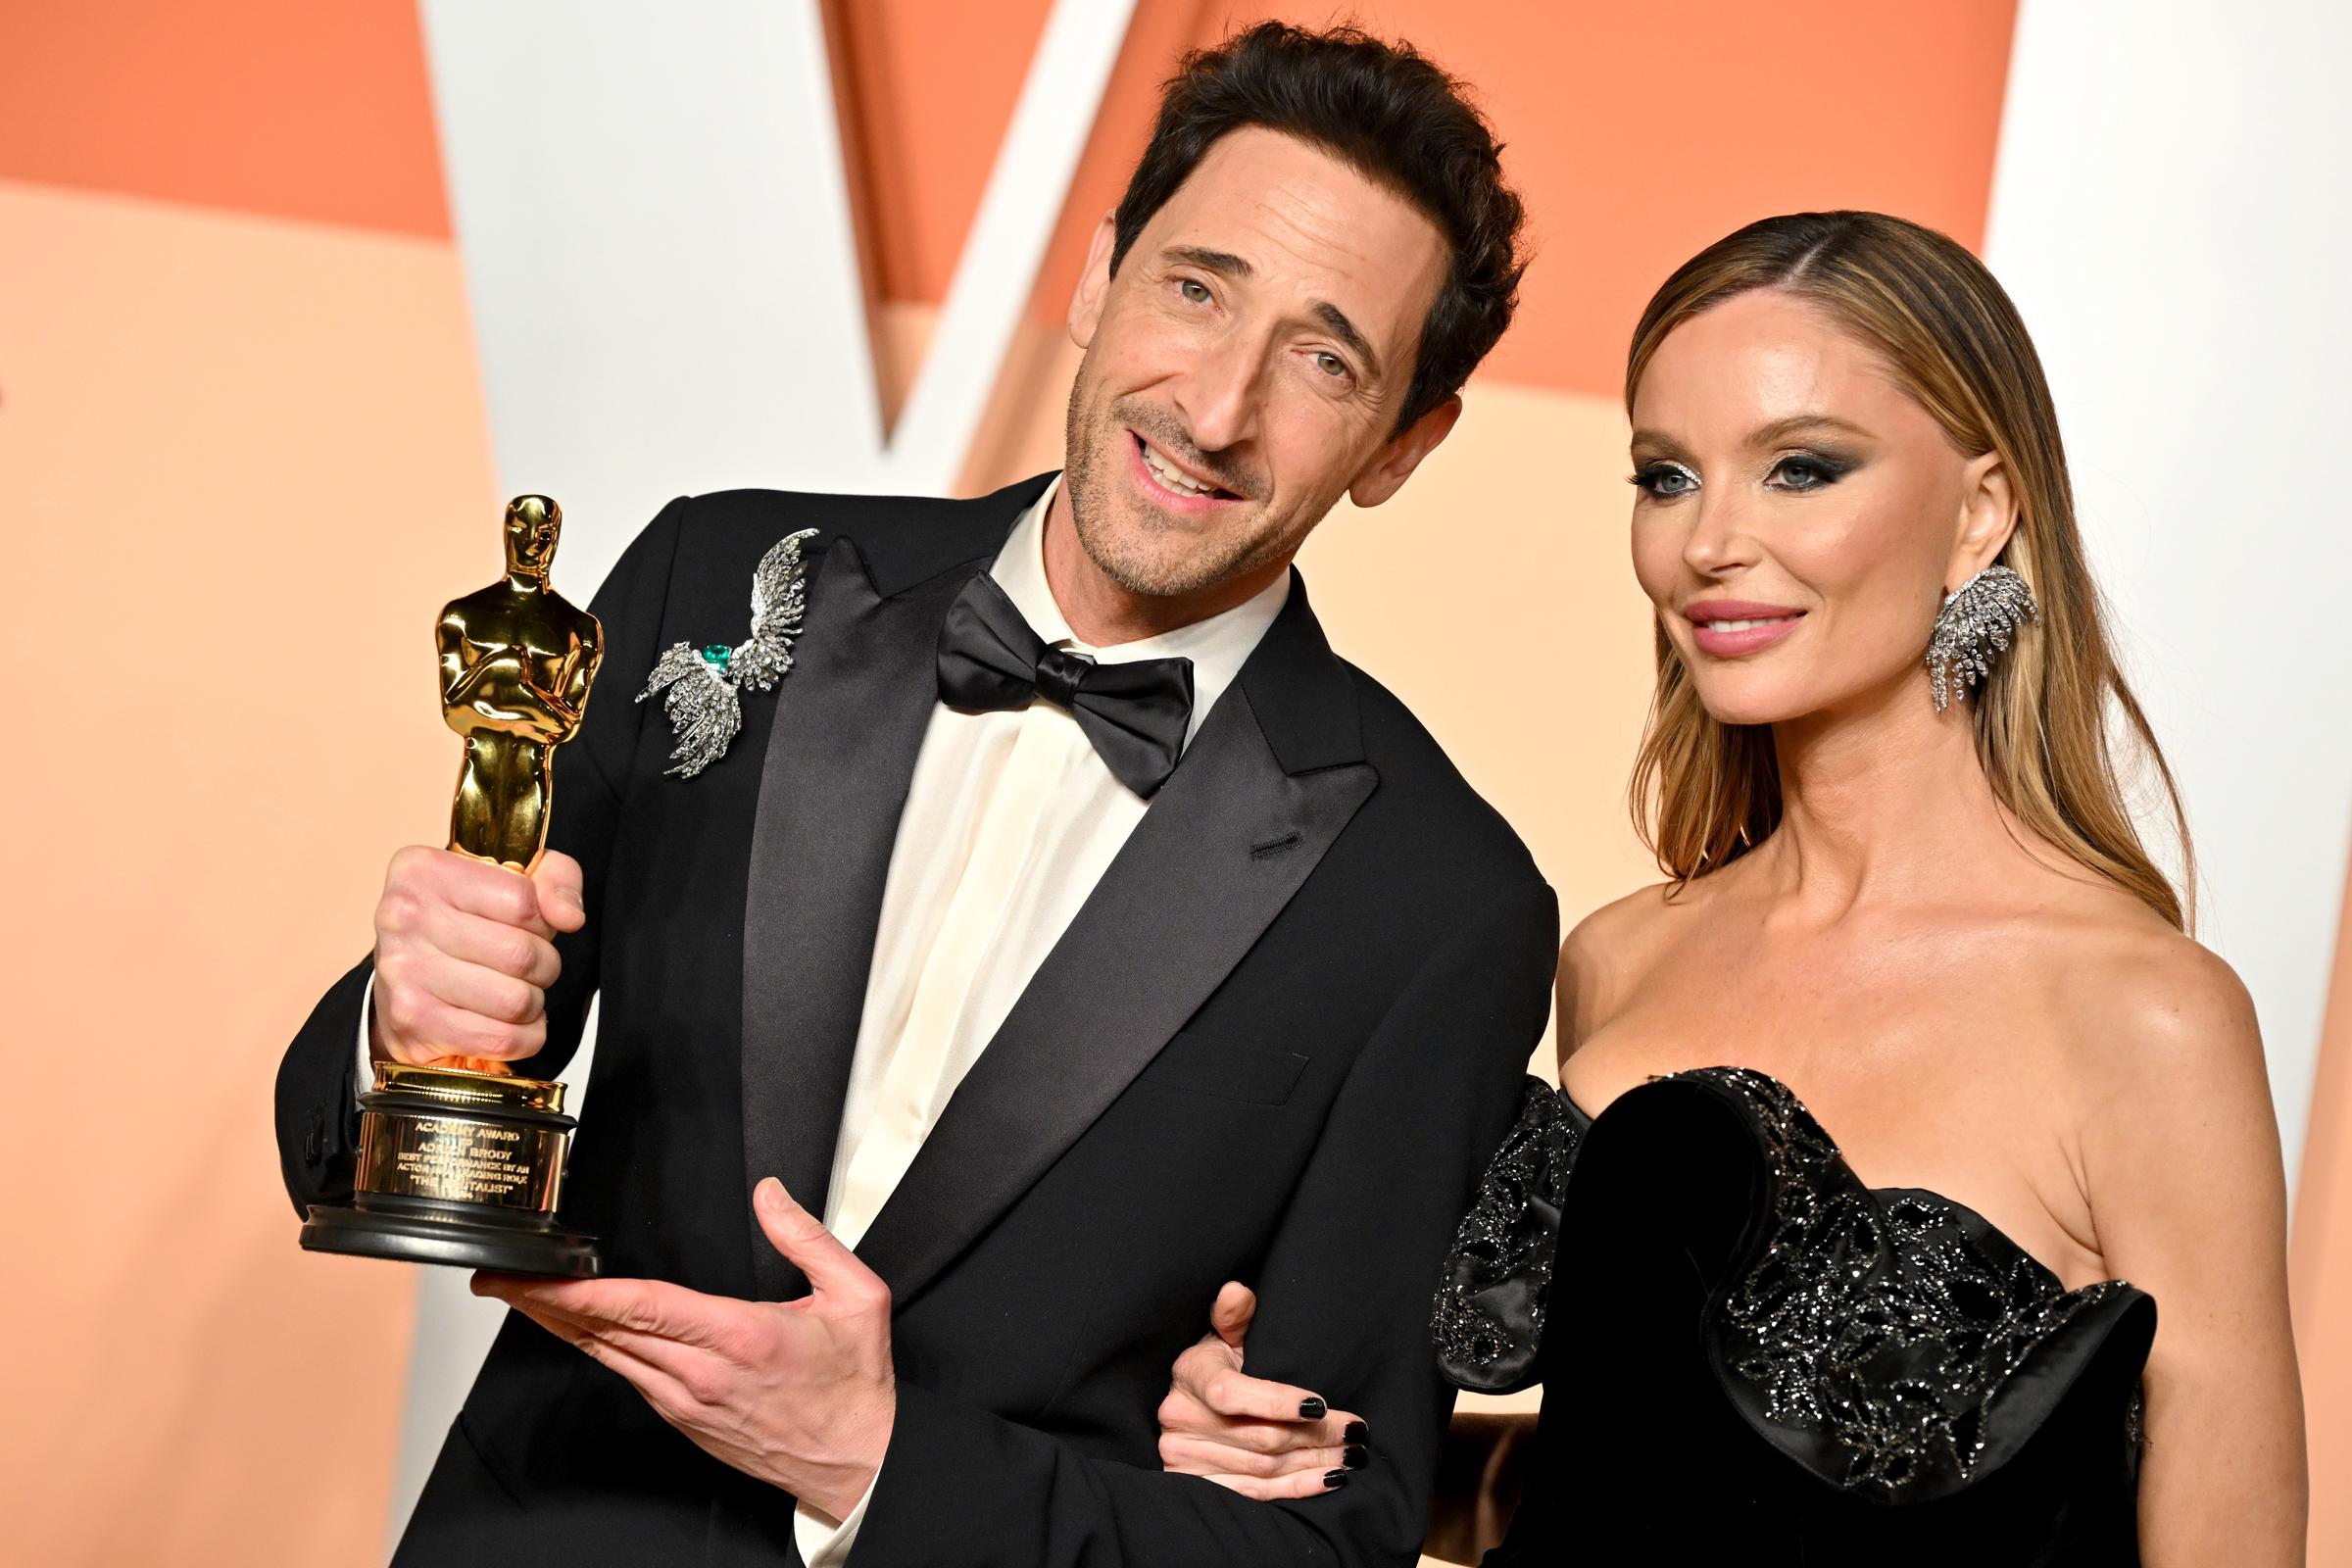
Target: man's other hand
{"points": [[800, 1394]]}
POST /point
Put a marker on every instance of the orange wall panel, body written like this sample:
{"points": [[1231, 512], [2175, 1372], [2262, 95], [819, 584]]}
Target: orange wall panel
{"points": [[1640, 134], [294, 108], [927, 92]]}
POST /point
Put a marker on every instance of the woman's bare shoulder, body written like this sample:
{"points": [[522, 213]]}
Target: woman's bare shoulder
{"points": [[1625, 931], [2140, 994], [2158, 1031], [1608, 950]]}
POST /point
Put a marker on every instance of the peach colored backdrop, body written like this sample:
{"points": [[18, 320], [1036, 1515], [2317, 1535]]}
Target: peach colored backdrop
{"points": [[242, 449]]}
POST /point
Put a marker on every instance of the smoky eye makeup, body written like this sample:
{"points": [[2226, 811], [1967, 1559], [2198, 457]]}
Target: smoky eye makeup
{"points": [[1800, 471]]}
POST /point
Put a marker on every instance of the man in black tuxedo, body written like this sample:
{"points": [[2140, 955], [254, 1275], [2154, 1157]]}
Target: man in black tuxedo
{"points": [[1070, 931]]}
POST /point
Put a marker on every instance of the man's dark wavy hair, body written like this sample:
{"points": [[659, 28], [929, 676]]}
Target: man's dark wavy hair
{"points": [[1396, 117]]}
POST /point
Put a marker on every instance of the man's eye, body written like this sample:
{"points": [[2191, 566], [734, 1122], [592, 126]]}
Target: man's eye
{"points": [[1330, 364], [1195, 290]]}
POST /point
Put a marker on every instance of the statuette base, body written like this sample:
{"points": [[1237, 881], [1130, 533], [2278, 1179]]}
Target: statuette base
{"points": [[458, 1169], [450, 1240]]}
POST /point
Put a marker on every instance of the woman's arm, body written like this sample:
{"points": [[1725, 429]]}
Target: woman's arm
{"points": [[2181, 1165]]}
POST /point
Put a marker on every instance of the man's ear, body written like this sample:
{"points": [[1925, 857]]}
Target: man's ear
{"points": [[1395, 461], [1988, 517], [1093, 281]]}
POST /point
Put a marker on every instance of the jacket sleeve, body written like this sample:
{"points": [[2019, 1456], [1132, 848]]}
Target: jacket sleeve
{"points": [[316, 1099], [1343, 1304]]}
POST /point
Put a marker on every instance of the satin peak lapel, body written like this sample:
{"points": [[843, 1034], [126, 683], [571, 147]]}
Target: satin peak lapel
{"points": [[833, 782], [1187, 897]]}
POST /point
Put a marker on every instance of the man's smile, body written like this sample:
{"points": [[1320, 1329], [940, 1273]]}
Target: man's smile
{"points": [[1176, 485]]}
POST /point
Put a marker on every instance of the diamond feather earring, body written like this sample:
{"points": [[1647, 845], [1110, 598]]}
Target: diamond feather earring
{"points": [[1973, 628]]}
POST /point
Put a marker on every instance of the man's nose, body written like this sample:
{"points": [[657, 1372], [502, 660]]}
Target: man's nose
{"points": [[1219, 394]]}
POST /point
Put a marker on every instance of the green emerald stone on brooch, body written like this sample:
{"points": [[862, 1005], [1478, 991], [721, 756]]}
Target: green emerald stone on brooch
{"points": [[719, 656]]}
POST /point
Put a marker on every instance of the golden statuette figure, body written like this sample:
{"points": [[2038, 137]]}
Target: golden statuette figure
{"points": [[517, 660], [460, 1162]]}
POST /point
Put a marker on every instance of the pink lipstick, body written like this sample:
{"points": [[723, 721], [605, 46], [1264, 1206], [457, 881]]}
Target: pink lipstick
{"points": [[1731, 628]]}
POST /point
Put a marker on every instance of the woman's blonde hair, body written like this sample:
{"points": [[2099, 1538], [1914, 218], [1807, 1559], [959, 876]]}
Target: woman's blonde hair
{"points": [[1703, 792]]}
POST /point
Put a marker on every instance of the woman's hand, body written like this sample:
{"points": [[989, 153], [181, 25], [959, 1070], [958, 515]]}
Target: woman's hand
{"points": [[1260, 1439]]}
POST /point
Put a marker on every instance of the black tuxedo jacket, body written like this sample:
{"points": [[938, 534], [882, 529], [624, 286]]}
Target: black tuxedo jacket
{"points": [[1276, 1045]]}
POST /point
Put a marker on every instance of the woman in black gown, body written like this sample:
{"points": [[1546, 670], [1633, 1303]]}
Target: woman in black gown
{"points": [[1909, 896]]}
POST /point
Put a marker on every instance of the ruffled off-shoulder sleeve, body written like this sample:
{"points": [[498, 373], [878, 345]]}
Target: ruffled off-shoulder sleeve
{"points": [[1488, 1318]]}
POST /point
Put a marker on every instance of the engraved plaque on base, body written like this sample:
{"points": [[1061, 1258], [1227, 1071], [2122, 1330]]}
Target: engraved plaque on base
{"points": [[458, 1167]]}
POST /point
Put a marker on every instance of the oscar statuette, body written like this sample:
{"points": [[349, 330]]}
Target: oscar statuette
{"points": [[461, 1162]]}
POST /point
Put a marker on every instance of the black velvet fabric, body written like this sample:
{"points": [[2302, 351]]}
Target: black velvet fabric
{"points": [[1750, 1357]]}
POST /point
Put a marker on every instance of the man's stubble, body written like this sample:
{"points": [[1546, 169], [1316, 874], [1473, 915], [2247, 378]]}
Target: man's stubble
{"points": [[1092, 442]]}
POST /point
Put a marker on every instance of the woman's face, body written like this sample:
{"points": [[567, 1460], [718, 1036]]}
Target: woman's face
{"points": [[1799, 515]]}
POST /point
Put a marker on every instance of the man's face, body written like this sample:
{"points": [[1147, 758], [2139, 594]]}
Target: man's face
{"points": [[1246, 367]]}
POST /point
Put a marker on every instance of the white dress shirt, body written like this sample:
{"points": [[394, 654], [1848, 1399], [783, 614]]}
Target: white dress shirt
{"points": [[1010, 820]]}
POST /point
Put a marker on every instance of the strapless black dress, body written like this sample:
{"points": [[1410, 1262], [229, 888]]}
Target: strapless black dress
{"points": [[1750, 1357]]}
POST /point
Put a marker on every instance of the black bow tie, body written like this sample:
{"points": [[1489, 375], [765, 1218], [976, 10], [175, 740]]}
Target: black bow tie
{"points": [[1134, 714]]}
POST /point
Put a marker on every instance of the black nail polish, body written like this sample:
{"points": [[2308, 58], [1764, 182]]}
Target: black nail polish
{"points": [[1356, 1457], [1312, 1409], [1336, 1479], [1356, 1432]]}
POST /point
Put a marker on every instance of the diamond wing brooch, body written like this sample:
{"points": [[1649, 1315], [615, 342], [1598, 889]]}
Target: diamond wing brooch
{"points": [[703, 685]]}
